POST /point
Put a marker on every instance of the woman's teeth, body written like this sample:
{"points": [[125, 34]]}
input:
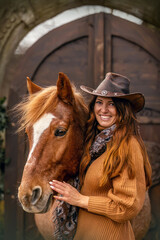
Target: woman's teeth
{"points": [[105, 117]]}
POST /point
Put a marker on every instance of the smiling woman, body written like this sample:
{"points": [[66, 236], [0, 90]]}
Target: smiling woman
{"points": [[114, 171], [105, 111]]}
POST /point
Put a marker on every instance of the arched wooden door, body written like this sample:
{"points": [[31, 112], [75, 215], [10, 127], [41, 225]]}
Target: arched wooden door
{"points": [[85, 50]]}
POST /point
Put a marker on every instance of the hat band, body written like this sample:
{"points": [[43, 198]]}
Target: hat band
{"points": [[107, 93]]}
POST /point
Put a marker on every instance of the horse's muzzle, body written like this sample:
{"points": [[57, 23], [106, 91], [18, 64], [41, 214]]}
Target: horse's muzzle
{"points": [[35, 201]]}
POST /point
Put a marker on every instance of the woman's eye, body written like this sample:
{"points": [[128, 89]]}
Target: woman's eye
{"points": [[60, 132], [99, 102], [111, 104]]}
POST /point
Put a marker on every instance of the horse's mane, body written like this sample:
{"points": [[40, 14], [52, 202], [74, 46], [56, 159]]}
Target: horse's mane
{"points": [[32, 107]]}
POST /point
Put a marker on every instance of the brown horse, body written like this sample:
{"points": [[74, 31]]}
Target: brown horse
{"points": [[54, 119]]}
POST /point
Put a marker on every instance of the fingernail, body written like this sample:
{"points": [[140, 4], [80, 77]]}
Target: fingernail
{"points": [[50, 182], [52, 187]]}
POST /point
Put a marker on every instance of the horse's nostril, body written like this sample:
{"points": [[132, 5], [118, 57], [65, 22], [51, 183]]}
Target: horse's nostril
{"points": [[36, 194]]}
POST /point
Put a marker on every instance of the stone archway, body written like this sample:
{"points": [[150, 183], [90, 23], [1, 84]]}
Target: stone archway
{"points": [[17, 18], [90, 47]]}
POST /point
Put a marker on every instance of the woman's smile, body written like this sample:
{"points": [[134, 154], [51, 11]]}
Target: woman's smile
{"points": [[105, 111], [104, 117]]}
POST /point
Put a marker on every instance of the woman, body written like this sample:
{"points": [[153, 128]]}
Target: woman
{"points": [[114, 171]]}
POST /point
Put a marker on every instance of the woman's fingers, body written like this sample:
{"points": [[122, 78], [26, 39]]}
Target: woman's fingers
{"points": [[61, 198], [60, 187], [57, 190], [66, 191], [69, 194], [57, 185]]}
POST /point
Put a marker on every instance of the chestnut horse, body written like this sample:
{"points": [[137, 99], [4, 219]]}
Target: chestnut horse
{"points": [[54, 119]]}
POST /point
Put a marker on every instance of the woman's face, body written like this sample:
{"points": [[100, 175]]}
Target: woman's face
{"points": [[105, 111]]}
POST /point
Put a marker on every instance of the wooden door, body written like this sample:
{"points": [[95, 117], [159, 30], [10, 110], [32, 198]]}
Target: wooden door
{"points": [[134, 51], [85, 50]]}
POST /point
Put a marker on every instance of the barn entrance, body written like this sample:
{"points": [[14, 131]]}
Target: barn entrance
{"points": [[84, 50]]}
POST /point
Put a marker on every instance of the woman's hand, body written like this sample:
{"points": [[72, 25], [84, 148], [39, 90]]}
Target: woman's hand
{"points": [[69, 194]]}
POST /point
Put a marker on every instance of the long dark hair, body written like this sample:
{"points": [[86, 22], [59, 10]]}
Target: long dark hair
{"points": [[118, 152]]}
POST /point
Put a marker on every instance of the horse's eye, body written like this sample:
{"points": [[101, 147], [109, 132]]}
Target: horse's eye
{"points": [[60, 132]]}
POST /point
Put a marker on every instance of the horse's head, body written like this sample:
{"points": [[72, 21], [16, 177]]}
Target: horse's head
{"points": [[54, 119]]}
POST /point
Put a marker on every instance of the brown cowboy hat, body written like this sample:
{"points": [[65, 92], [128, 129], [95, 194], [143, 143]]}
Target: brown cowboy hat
{"points": [[117, 86]]}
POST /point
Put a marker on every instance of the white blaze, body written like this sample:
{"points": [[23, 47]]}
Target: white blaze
{"points": [[38, 128]]}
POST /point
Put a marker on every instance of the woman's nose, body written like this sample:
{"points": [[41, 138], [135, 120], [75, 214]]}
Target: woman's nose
{"points": [[104, 108]]}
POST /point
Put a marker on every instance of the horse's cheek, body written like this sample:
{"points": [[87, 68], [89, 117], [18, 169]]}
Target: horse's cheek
{"points": [[59, 152]]}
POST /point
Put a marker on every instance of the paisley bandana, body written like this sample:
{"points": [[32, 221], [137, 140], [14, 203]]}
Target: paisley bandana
{"points": [[65, 215], [99, 145]]}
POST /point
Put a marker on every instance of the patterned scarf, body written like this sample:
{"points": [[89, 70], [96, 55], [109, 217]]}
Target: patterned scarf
{"points": [[99, 145], [65, 215]]}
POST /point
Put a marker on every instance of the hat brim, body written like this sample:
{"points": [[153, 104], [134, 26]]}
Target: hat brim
{"points": [[136, 99]]}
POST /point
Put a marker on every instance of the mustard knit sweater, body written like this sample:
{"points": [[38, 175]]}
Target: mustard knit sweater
{"points": [[111, 208]]}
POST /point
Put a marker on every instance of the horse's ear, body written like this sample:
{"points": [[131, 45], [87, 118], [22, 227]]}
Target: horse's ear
{"points": [[32, 87], [64, 89]]}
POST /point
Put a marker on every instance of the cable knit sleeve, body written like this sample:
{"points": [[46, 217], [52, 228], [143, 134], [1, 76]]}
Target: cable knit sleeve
{"points": [[126, 197]]}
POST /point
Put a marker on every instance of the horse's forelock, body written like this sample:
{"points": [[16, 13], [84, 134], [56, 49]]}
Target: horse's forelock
{"points": [[34, 106]]}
